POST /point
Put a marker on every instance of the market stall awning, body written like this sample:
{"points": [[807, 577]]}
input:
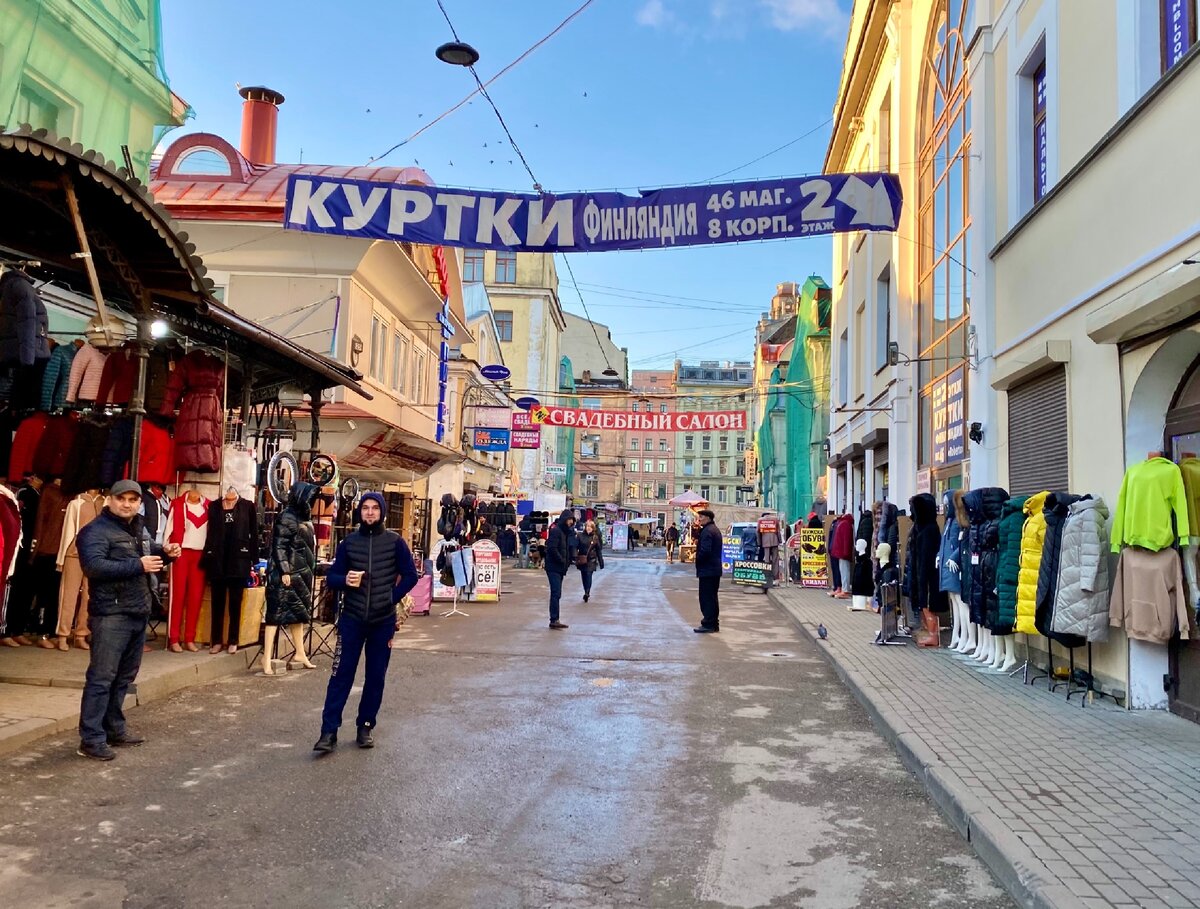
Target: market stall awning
{"points": [[144, 266], [688, 499]]}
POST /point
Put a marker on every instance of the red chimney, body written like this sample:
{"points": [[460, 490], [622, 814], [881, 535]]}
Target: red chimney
{"points": [[260, 114]]}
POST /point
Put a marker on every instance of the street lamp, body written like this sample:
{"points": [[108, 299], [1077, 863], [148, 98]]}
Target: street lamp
{"points": [[457, 53]]}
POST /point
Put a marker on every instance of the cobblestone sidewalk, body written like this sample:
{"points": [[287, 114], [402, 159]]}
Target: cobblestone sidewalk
{"points": [[1069, 807]]}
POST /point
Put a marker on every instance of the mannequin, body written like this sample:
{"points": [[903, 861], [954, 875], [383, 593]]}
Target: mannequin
{"points": [[963, 633], [73, 587], [188, 526], [921, 583], [47, 538], [1189, 466], [229, 552], [981, 562], [290, 574], [862, 586], [1008, 571]]}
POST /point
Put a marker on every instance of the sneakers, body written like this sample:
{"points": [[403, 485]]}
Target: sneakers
{"points": [[125, 738], [559, 625], [704, 629], [364, 737], [326, 743], [99, 752]]}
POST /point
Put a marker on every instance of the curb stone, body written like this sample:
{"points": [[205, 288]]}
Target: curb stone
{"points": [[1012, 862]]}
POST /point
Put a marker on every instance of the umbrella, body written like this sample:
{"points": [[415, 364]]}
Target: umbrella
{"points": [[688, 499]]}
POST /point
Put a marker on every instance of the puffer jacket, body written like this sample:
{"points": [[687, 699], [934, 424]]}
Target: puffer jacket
{"points": [[984, 507], [560, 545], [388, 563], [887, 529], [24, 325], [293, 552], [865, 530], [842, 546], [56, 377], [110, 554], [1008, 570], [196, 386], [920, 582], [1055, 511], [949, 579], [1033, 537], [1081, 602]]}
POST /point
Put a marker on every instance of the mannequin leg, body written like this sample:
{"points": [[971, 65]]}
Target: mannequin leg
{"points": [[984, 648], [998, 650], [971, 641], [955, 625], [966, 636], [296, 633], [1189, 570], [1009, 663], [268, 654]]}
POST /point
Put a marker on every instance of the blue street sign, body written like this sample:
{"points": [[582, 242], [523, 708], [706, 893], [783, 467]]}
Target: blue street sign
{"points": [[495, 372], [528, 403]]}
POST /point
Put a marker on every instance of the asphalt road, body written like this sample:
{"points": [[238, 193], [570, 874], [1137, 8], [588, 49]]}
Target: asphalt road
{"points": [[623, 762]]}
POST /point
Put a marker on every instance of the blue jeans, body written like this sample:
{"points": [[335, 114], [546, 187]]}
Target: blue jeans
{"points": [[555, 593], [353, 637], [113, 664]]}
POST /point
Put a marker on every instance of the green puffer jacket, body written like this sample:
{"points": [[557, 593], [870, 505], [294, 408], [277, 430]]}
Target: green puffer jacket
{"points": [[1012, 520]]}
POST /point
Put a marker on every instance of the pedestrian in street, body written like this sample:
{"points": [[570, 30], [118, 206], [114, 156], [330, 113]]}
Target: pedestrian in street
{"points": [[374, 569], [121, 563], [525, 533], [708, 572], [672, 543], [589, 555], [558, 557]]}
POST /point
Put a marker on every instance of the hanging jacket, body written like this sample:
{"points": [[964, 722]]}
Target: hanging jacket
{"points": [[25, 446], [231, 543], [118, 376], [864, 531], [886, 517], [86, 368], [1055, 510], [1033, 536], [950, 579], [118, 447], [24, 325], [984, 507], [1081, 602], [52, 513], [55, 445], [196, 387], [82, 470], [920, 581], [1008, 569], [842, 546], [293, 553], [1152, 493], [156, 455], [1149, 599], [56, 377]]}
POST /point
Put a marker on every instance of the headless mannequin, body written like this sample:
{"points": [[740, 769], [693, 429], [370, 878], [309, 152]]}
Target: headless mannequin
{"points": [[1006, 656], [1189, 553], [228, 502]]}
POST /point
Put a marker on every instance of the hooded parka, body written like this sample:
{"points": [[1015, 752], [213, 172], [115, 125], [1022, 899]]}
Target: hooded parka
{"points": [[196, 387], [887, 529], [950, 579], [1056, 508], [1081, 602], [920, 582], [984, 507], [1008, 570], [24, 325], [293, 552], [1033, 536]]}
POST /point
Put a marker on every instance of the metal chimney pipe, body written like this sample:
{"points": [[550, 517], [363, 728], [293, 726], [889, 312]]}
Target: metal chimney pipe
{"points": [[260, 117]]}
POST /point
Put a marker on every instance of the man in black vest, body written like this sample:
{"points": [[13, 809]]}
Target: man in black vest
{"points": [[374, 567]]}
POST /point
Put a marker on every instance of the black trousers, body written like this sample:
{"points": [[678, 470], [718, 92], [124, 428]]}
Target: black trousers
{"points": [[710, 607], [230, 591], [46, 580], [19, 617]]}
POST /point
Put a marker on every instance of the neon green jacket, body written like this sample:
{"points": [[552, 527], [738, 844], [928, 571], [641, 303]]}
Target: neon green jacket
{"points": [[1151, 493]]}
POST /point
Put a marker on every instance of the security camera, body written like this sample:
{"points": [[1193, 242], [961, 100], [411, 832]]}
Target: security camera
{"points": [[976, 433]]}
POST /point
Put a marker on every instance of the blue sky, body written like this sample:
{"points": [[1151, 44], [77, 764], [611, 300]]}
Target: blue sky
{"points": [[631, 94]]}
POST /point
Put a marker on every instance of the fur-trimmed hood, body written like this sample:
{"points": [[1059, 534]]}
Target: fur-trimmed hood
{"points": [[960, 508]]}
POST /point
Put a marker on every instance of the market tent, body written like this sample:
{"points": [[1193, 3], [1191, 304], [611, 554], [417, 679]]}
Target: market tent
{"points": [[642, 521], [688, 499]]}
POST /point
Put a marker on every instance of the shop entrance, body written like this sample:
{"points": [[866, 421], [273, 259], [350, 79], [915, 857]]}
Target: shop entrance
{"points": [[1183, 441]]}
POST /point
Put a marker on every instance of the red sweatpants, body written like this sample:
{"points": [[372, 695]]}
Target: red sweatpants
{"points": [[187, 595]]}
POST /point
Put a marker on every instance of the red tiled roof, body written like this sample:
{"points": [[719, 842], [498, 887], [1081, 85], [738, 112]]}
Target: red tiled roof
{"points": [[250, 192]]}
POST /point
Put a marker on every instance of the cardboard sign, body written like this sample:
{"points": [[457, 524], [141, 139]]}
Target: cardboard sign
{"points": [[487, 571]]}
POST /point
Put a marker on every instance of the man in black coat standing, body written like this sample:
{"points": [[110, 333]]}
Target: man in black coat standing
{"points": [[374, 568], [121, 564], [708, 571], [560, 554]]}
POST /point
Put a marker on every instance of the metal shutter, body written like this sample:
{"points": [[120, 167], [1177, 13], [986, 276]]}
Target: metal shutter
{"points": [[1037, 434]]}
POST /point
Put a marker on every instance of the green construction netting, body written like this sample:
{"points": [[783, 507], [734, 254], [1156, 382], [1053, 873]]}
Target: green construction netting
{"points": [[89, 70], [807, 385]]}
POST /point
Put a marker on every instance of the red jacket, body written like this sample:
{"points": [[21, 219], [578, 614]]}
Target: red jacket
{"points": [[24, 446], [842, 546], [55, 445], [197, 385], [156, 455], [118, 377]]}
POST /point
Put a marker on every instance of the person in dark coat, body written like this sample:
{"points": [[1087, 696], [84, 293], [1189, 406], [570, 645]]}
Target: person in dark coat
{"points": [[920, 580], [230, 550], [589, 555], [525, 535], [196, 387], [559, 556], [121, 564], [708, 573], [375, 570], [290, 568], [24, 325], [672, 541], [842, 549]]}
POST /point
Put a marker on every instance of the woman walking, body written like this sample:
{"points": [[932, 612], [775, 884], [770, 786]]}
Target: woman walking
{"points": [[589, 555]]}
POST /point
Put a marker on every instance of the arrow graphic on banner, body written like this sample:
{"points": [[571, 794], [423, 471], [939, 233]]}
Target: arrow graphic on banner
{"points": [[871, 202]]}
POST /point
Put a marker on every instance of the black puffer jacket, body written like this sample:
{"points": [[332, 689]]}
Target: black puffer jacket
{"points": [[110, 554], [293, 552], [1056, 509], [887, 530], [560, 544], [984, 509], [390, 572], [24, 325], [864, 531], [920, 582]]}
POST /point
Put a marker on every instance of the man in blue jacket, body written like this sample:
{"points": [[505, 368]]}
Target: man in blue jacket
{"points": [[560, 554], [708, 573], [374, 569], [121, 564]]}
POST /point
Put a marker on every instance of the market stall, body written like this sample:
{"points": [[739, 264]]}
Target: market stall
{"points": [[689, 530]]}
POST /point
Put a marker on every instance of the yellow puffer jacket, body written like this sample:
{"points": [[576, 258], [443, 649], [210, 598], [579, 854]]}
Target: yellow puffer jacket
{"points": [[1033, 534]]}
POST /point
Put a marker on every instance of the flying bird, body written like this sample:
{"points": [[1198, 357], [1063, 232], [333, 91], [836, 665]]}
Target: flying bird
{"points": [[822, 632]]}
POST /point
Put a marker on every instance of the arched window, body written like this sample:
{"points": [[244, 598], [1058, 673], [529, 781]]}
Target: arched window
{"points": [[203, 160], [944, 291]]}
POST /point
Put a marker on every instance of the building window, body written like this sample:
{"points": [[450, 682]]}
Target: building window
{"points": [[420, 384], [883, 316], [662, 466], [589, 446], [883, 140], [633, 465], [662, 445], [590, 404], [844, 367], [633, 444], [506, 267], [662, 491], [705, 467], [397, 373], [723, 443], [689, 467], [741, 445], [647, 490], [721, 493], [400, 367], [739, 467], [944, 287], [706, 443], [1040, 174], [473, 266], [1178, 30], [723, 467], [705, 493], [633, 406], [591, 487], [378, 343], [662, 408], [504, 324], [689, 443], [862, 369]]}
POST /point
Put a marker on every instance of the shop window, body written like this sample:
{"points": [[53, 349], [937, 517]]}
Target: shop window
{"points": [[473, 266], [1037, 434], [506, 267], [504, 324]]}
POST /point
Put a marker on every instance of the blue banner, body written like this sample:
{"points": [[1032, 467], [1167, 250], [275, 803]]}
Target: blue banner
{"points": [[489, 439], [593, 222]]}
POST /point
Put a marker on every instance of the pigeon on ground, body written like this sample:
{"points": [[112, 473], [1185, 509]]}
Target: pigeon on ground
{"points": [[822, 632]]}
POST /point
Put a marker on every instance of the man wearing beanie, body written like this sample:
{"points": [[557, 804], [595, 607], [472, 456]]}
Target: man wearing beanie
{"points": [[121, 564], [374, 569]]}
